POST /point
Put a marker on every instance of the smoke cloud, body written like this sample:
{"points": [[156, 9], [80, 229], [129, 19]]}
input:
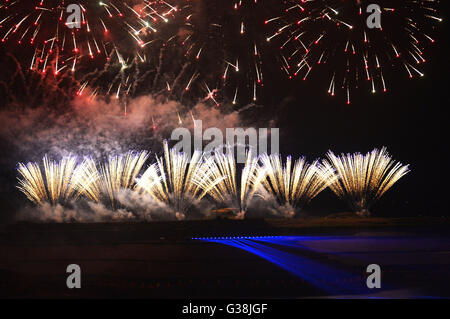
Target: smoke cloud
{"points": [[133, 206], [99, 127]]}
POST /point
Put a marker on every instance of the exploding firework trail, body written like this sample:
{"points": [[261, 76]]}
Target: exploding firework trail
{"points": [[118, 173], [105, 27], [178, 180], [66, 180], [334, 35], [57, 185], [36, 89], [152, 72], [363, 179], [294, 186], [230, 190], [224, 44]]}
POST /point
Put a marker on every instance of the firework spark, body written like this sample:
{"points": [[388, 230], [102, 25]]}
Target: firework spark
{"points": [[294, 186], [363, 179], [334, 36]]}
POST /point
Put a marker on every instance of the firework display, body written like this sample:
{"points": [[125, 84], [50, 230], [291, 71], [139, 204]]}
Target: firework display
{"points": [[189, 149], [218, 51], [349, 46], [294, 185], [178, 180], [191, 51], [362, 179]]}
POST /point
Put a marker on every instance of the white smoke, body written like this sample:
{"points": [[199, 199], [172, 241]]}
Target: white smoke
{"points": [[132, 206], [97, 127]]}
